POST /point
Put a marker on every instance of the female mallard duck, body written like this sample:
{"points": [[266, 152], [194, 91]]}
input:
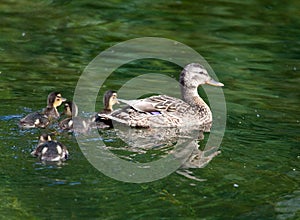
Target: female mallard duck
{"points": [[166, 111], [49, 150], [110, 98], [41, 120]]}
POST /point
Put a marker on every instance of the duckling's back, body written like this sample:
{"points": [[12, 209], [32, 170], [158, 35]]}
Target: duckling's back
{"points": [[35, 119], [51, 151]]}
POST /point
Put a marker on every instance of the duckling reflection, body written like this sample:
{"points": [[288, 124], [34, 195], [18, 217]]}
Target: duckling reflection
{"points": [[110, 98], [42, 119], [50, 150]]}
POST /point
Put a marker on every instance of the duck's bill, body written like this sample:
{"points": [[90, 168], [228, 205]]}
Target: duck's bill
{"points": [[63, 99], [213, 82]]}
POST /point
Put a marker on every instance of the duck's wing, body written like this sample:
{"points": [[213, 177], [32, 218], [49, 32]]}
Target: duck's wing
{"points": [[145, 113], [66, 124], [158, 103], [141, 105], [64, 153], [155, 111]]}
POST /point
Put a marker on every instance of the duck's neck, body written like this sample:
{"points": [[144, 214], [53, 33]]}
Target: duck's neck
{"points": [[191, 96], [52, 112], [108, 107], [106, 111]]}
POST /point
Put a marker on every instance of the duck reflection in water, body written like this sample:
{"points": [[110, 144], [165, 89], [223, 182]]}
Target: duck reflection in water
{"points": [[160, 143]]}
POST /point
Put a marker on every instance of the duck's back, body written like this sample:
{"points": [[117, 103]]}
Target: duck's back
{"points": [[52, 151], [34, 119]]}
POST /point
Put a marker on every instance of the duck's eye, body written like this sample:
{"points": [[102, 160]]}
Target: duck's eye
{"points": [[57, 99]]}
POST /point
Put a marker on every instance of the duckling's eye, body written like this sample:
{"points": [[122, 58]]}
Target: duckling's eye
{"points": [[57, 99]]}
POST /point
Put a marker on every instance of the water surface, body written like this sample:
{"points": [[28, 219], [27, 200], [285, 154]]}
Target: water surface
{"points": [[253, 48]]}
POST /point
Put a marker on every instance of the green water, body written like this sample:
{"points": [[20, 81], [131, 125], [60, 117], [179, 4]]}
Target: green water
{"points": [[252, 46]]}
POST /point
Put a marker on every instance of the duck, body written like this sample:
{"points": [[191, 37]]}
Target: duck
{"points": [[42, 119], [83, 125], [49, 150], [167, 111], [110, 98], [70, 110]]}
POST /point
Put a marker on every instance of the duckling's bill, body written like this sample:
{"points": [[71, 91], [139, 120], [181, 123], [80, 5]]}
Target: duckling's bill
{"points": [[59, 96], [62, 99]]}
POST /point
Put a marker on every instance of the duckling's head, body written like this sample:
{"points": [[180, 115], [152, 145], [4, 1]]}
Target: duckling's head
{"points": [[44, 138], [194, 75], [110, 98], [55, 99], [70, 109]]}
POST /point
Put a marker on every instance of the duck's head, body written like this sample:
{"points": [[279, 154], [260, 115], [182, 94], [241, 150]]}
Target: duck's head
{"points": [[55, 99], [70, 109], [44, 138], [194, 75], [110, 98]]}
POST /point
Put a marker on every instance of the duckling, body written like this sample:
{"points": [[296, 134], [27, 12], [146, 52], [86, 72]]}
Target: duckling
{"points": [[50, 150], [166, 111], [42, 119], [110, 98], [71, 111]]}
